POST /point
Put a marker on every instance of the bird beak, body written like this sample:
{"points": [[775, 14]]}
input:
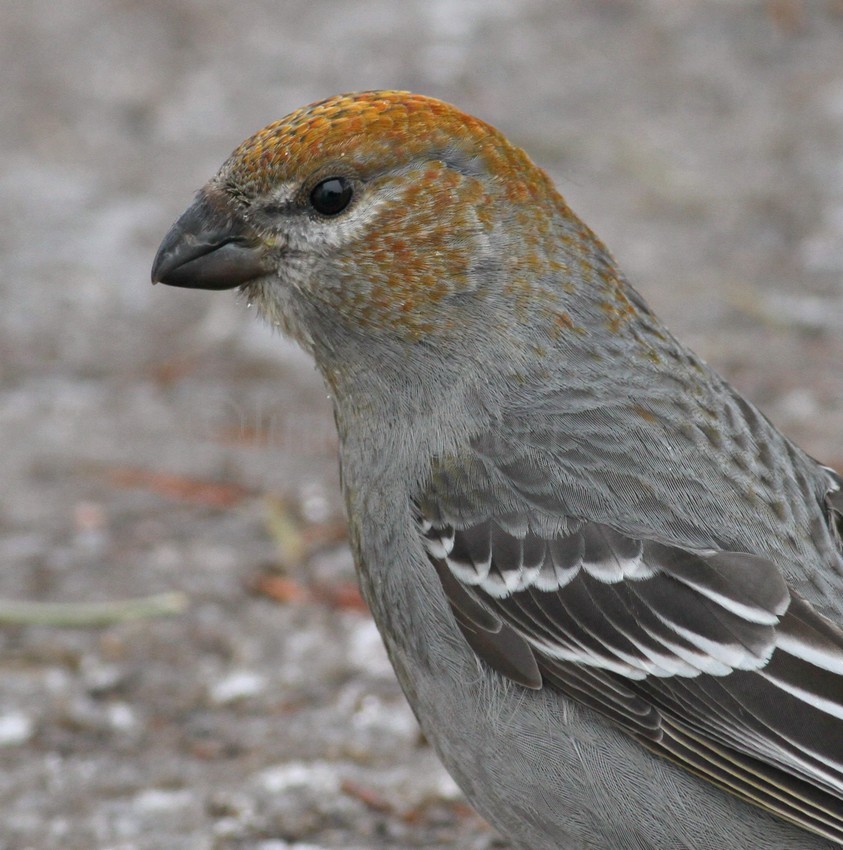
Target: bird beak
{"points": [[210, 247]]}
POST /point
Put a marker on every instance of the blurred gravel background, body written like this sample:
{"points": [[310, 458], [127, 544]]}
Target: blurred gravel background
{"points": [[157, 440]]}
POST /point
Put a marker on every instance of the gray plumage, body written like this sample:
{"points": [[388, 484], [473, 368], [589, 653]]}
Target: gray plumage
{"points": [[610, 588]]}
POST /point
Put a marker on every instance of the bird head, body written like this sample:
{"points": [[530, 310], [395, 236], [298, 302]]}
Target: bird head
{"points": [[392, 225]]}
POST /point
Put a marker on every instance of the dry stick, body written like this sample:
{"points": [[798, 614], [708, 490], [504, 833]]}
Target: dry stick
{"points": [[86, 614]]}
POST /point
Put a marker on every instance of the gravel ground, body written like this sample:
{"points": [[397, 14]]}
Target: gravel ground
{"points": [[154, 440]]}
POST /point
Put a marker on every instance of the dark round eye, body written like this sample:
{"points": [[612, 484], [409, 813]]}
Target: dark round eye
{"points": [[331, 196]]}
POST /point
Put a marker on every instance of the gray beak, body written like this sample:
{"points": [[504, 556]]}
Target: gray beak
{"points": [[210, 247]]}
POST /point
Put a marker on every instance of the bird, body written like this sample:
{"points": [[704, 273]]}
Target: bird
{"points": [[611, 590]]}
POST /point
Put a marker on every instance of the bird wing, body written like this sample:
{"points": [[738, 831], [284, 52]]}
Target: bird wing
{"points": [[705, 656], [834, 506]]}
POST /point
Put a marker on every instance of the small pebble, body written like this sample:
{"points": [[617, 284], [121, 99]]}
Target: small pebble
{"points": [[237, 685], [15, 728]]}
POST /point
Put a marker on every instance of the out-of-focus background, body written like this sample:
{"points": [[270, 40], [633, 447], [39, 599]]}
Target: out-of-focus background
{"points": [[156, 440]]}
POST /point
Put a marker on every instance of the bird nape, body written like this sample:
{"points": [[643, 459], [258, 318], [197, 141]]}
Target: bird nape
{"points": [[610, 588]]}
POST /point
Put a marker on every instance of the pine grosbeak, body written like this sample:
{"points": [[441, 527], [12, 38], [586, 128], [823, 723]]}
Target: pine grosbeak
{"points": [[609, 587]]}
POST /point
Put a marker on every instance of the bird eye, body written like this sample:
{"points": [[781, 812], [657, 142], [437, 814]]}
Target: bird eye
{"points": [[331, 196]]}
